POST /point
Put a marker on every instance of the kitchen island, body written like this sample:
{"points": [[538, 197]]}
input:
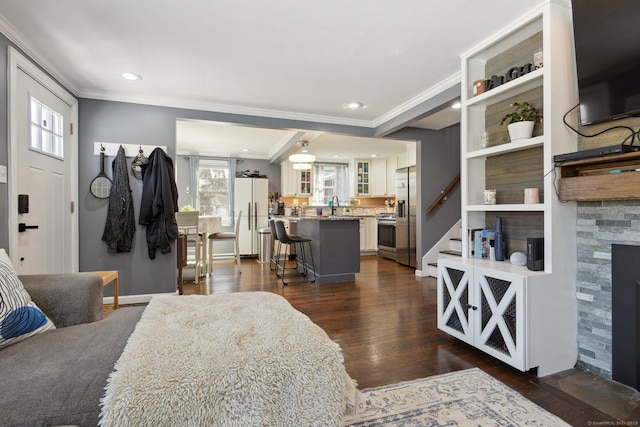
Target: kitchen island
{"points": [[335, 242]]}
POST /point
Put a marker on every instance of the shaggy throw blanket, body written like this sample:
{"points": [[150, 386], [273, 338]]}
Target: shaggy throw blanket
{"points": [[239, 359]]}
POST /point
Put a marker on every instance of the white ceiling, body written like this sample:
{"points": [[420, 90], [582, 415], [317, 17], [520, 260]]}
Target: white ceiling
{"points": [[293, 59], [226, 140]]}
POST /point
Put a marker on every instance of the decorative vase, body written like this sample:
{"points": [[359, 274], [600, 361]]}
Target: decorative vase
{"points": [[498, 242], [520, 130]]}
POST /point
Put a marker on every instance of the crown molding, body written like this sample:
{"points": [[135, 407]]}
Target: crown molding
{"points": [[425, 96], [223, 108], [34, 54]]}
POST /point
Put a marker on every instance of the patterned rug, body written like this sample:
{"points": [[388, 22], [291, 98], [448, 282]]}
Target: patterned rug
{"points": [[463, 398]]}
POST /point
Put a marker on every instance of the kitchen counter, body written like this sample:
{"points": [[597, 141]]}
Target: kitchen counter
{"points": [[335, 242], [322, 218]]}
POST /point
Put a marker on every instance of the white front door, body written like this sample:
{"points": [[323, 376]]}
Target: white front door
{"points": [[42, 234]]}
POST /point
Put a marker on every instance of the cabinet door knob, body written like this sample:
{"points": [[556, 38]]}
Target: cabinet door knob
{"points": [[472, 307]]}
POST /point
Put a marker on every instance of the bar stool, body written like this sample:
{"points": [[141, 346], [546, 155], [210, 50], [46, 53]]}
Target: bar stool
{"points": [[274, 260], [298, 242], [274, 264]]}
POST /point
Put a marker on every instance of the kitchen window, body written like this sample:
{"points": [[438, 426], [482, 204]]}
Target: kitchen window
{"points": [[214, 195], [330, 180]]}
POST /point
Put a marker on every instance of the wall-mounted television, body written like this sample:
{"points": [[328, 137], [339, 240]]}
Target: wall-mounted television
{"points": [[607, 42]]}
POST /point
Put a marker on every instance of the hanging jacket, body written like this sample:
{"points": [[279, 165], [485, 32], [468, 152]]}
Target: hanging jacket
{"points": [[121, 222], [159, 202]]}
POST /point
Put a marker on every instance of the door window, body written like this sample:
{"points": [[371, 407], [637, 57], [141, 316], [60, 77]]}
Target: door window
{"points": [[46, 131]]}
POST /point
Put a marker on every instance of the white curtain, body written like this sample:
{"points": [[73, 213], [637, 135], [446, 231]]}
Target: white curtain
{"points": [[194, 165], [330, 180]]}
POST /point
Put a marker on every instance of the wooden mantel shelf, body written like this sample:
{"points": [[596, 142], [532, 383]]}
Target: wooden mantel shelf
{"points": [[592, 179]]}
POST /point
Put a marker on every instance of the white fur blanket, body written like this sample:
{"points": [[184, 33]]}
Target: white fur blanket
{"points": [[239, 359]]}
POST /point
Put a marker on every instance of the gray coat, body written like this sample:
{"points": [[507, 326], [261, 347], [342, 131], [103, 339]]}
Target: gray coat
{"points": [[121, 221]]}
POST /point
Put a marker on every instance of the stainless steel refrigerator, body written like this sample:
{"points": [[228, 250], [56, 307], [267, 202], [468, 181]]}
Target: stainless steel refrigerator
{"points": [[406, 216]]}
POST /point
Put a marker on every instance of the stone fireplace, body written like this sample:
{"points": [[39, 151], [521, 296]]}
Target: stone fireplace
{"points": [[600, 224]]}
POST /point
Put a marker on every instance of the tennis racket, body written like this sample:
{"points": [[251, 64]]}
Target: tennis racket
{"points": [[101, 185]]}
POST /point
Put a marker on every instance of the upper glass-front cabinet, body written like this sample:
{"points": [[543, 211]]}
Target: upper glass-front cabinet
{"points": [[363, 177]]}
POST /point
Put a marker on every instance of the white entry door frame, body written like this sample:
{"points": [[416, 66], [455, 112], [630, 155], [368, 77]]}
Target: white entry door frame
{"points": [[16, 62]]}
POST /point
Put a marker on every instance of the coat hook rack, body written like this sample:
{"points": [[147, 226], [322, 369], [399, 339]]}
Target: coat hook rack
{"points": [[130, 150]]}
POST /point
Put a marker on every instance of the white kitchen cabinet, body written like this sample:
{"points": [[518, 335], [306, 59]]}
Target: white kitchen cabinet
{"points": [[362, 175], [402, 160], [411, 153], [379, 177], [392, 165], [295, 182], [287, 179], [368, 235], [372, 234]]}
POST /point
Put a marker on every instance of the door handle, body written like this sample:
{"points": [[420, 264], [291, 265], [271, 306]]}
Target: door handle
{"points": [[249, 217], [255, 216], [22, 227]]}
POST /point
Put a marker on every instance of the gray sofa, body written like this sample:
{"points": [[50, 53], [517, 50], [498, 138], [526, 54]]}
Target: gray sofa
{"points": [[59, 376]]}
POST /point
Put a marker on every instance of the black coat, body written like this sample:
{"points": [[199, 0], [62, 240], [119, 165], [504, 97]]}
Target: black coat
{"points": [[121, 221], [159, 202]]}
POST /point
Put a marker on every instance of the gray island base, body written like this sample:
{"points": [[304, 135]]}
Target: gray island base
{"points": [[335, 244]]}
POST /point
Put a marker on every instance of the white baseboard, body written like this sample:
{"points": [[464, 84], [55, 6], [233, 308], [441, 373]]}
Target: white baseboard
{"points": [[421, 273], [134, 299]]}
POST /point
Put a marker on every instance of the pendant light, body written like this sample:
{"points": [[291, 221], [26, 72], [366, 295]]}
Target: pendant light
{"points": [[303, 156]]}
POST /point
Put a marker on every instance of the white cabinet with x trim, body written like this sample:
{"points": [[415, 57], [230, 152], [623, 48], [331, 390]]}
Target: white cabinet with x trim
{"points": [[506, 311]]}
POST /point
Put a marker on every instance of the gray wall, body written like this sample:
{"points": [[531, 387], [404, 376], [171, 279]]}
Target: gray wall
{"points": [[272, 171], [438, 163], [124, 123]]}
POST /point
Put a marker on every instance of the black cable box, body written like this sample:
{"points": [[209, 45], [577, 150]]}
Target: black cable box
{"points": [[596, 152]]}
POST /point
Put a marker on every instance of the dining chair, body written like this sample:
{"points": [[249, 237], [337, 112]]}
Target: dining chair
{"points": [[227, 236], [188, 225]]}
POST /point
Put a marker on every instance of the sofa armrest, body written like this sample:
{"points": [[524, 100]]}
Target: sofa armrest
{"points": [[67, 299]]}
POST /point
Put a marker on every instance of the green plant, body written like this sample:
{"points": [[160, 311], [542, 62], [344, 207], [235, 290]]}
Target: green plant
{"points": [[524, 112], [187, 208]]}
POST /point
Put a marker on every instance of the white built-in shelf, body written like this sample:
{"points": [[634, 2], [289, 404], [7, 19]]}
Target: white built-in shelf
{"points": [[505, 266], [509, 147], [507, 90], [538, 207]]}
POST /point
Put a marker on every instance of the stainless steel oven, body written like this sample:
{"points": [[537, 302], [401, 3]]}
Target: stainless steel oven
{"points": [[387, 236]]}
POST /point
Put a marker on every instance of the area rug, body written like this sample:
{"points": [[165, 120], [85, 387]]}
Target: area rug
{"points": [[238, 359], [463, 398]]}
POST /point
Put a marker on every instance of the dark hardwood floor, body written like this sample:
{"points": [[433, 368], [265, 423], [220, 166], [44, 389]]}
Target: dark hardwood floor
{"points": [[385, 323]]}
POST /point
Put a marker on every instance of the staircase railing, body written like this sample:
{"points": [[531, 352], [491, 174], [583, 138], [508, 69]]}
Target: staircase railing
{"points": [[443, 194]]}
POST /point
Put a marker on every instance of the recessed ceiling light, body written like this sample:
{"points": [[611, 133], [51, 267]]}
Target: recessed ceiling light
{"points": [[354, 105], [245, 149], [131, 76], [456, 105], [335, 156], [374, 155]]}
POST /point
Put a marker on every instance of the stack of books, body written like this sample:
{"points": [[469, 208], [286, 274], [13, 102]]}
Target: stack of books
{"points": [[481, 243]]}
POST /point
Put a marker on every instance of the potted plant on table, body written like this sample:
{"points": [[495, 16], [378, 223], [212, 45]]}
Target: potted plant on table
{"points": [[521, 120]]}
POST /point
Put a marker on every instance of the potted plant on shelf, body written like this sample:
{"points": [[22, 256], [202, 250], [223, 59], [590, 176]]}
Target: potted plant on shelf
{"points": [[521, 120]]}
